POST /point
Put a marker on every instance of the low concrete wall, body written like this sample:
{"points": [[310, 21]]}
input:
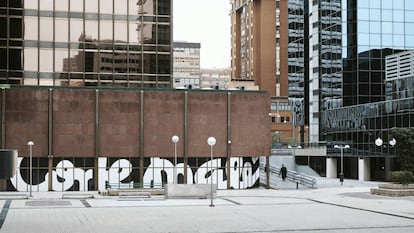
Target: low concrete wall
{"points": [[394, 190], [197, 191]]}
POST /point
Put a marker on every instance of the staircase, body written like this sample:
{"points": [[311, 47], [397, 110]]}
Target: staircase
{"points": [[293, 177]]}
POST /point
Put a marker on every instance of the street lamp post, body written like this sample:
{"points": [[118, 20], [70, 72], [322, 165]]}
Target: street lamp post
{"points": [[341, 175], [379, 142], [30, 144], [211, 141], [175, 140]]}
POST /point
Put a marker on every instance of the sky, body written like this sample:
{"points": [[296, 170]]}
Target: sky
{"points": [[206, 22]]}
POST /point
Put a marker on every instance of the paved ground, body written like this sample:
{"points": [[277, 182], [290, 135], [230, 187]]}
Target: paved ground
{"points": [[330, 208]]}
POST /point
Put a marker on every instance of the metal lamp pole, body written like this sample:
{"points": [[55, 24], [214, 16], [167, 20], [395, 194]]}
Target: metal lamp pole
{"points": [[211, 141], [341, 175], [30, 144], [175, 140]]}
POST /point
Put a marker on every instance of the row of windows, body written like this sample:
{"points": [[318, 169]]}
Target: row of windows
{"points": [[87, 16], [75, 30], [131, 7], [386, 4]]}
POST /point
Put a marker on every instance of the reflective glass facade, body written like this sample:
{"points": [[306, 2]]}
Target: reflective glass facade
{"points": [[370, 104], [375, 29], [86, 42], [297, 47]]}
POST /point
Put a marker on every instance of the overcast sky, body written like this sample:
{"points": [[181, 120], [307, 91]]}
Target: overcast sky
{"points": [[206, 22]]}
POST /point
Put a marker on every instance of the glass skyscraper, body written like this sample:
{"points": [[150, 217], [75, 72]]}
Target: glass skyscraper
{"points": [[86, 43], [370, 31]]}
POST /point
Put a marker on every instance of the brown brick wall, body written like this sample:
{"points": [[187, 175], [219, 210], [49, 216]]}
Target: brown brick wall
{"points": [[119, 117], [73, 123], [114, 131]]}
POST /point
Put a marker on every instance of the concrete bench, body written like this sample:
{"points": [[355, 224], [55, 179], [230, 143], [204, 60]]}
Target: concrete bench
{"points": [[77, 196], [134, 194], [189, 191], [13, 196]]}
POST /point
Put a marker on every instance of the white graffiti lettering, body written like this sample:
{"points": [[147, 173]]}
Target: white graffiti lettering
{"points": [[66, 174]]}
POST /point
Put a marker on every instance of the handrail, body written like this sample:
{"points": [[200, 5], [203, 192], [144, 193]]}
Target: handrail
{"points": [[296, 177]]}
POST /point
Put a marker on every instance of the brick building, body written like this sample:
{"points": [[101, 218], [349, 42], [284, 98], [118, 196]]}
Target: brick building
{"points": [[85, 138]]}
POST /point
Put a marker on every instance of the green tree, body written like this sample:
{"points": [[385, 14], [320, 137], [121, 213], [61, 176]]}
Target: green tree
{"points": [[404, 147]]}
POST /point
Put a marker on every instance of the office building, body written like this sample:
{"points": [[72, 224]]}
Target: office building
{"points": [[218, 79], [186, 65], [86, 43], [371, 31], [334, 67]]}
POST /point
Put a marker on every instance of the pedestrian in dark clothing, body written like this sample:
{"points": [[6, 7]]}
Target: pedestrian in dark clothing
{"points": [[283, 172]]}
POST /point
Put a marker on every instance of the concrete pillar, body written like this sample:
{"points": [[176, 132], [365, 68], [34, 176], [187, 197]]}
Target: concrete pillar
{"points": [[387, 168], [364, 169], [331, 167]]}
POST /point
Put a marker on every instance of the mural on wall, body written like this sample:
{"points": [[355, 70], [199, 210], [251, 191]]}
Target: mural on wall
{"points": [[244, 173]]}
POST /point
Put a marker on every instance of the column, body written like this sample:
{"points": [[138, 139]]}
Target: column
{"points": [[388, 168], [331, 167], [364, 169]]}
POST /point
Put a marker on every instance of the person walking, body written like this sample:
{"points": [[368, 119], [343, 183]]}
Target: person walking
{"points": [[283, 172]]}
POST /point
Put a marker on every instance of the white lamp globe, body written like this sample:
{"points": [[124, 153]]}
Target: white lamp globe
{"points": [[211, 141]]}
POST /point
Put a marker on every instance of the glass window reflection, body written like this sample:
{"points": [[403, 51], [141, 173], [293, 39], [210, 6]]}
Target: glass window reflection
{"points": [[375, 40], [61, 55], [386, 27], [409, 5], [121, 7], [91, 29], [409, 41], [409, 16], [91, 6], [30, 4], [121, 31], [363, 3], [76, 5], [30, 58], [46, 5], [363, 14], [398, 16], [374, 4], [61, 30], [106, 6], [398, 41], [62, 5], [363, 39], [409, 28], [73, 40], [46, 29], [398, 4], [45, 61], [387, 40], [375, 14], [106, 30], [76, 29], [386, 4], [31, 28], [386, 15], [398, 28], [375, 27], [133, 7], [363, 26]]}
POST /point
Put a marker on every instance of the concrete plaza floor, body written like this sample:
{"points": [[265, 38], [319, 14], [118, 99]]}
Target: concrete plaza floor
{"points": [[329, 208]]}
